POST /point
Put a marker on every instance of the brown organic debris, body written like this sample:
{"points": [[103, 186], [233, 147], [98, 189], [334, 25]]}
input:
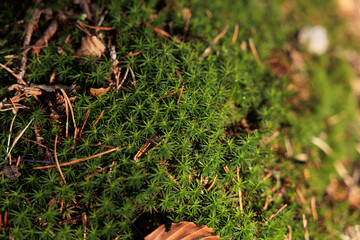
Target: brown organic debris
{"points": [[42, 42], [183, 230], [12, 172], [91, 46], [98, 91]]}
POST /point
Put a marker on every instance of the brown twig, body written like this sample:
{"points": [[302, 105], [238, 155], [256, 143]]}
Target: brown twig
{"points": [[301, 196], [86, 118], [100, 170], [28, 34], [18, 162], [289, 233], [181, 91], [82, 28], [168, 95], [235, 35], [267, 201], [48, 34], [131, 54], [313, 209], [41, 145], [275, 214], [94, 27], [214, 42], [79, 160], [158, 31], [253, 50], [98, 119], [141, 151], [19, 78], [158, 144], [212, 183]]}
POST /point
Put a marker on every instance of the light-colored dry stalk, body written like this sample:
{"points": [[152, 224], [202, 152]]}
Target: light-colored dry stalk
{"points": [[239, 191], [17, 139], [313, 209], [253, 50], [141, 151], [124, 78], [289, 233], [57, 160], [10, 131], [235, 35], [275, 214], [301, 196], [71, 110], [212, 183], [306, 234]]}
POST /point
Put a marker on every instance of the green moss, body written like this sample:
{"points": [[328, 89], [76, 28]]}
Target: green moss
{"points": [[192, 175]]}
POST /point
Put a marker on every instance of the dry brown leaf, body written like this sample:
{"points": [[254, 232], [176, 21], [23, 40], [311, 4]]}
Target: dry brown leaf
{"points": [[91, 46], [183, 231], [98, 91]]}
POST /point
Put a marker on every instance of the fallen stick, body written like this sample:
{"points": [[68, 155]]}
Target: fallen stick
{"points": [[79, 160]]}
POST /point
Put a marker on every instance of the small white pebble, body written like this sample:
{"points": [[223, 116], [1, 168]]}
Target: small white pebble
{"points": [[314, 39]]}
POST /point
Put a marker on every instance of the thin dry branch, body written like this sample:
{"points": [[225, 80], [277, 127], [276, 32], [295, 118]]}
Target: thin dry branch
{"points": [[239, 190], [168, 95], [275, 214], [306, 234], [253, 50], [98, 28], [79, 160], [235, 35], [86, 118], [212, 183], [19, 78], [100, 170], [28, 34], [141, 151], [48, 34], [313, 209], [99, 117]]}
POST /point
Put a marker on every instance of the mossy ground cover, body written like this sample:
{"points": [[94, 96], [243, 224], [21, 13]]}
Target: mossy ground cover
{"points": [[209, 158]]}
